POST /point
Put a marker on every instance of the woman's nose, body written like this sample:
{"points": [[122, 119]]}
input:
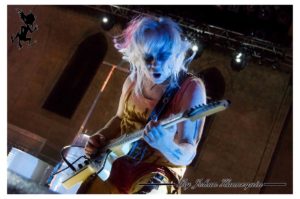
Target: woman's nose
{"points": [[153, 63]]}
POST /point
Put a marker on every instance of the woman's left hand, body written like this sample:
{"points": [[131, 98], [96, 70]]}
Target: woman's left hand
{"points": [[157, 136]]}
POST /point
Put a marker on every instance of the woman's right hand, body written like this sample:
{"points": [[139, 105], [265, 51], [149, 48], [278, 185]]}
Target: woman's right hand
{"points": [[94, 143]]}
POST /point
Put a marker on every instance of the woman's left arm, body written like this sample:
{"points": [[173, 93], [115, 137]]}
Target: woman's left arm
{"points": [[179, 143]]}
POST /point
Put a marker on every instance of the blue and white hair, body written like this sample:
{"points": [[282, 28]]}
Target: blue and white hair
{"points": [[145, 33]]}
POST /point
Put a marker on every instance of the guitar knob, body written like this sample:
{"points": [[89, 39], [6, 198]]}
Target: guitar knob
{"points": [[86, 162], [80, 166]]}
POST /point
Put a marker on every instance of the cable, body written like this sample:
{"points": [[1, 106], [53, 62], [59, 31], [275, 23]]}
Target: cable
{"points": [[65, 159], [108, 151], [68, 166]]}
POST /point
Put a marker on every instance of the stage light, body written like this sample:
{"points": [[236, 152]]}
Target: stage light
{"points": [[107, 21], [195, 48], [239, 55], [239, 59], [104, 19]]}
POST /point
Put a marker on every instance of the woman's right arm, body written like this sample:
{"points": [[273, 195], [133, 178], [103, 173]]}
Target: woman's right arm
{"points": [[112, 128]]}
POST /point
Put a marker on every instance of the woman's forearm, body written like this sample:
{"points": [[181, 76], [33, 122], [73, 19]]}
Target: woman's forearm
{"points": [[112, 128], [179, 154]]}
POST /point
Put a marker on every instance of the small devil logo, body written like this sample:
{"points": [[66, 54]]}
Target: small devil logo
{"points": [[28, 26]]}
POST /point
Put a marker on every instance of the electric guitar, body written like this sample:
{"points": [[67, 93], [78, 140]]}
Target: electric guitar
{"points": [[119, 147]]}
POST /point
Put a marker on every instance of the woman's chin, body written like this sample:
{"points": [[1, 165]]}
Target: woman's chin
{"points": [[158, 80]]}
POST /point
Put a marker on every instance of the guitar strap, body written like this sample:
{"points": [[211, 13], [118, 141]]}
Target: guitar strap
{"points": [[170, 92]]}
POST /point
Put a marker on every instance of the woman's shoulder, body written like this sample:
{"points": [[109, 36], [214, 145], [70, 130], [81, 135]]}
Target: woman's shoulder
{"points": [[191, 92], [128, 84], [191, 83]]}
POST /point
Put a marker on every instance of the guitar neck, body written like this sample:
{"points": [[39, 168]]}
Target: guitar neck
{"points": [[132, 137]]}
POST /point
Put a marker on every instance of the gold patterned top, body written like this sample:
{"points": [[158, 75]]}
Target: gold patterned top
{"points": [[137, 109]]}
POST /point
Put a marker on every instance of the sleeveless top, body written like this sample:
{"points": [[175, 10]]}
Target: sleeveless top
{"points": [[137, 109]]}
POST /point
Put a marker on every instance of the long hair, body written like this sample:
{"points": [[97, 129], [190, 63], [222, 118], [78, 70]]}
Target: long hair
{"points": [[144, 34]]}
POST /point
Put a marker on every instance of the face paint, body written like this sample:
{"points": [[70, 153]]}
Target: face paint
{"points": [[157, 67]]}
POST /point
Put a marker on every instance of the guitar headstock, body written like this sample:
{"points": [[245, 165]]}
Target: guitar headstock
{"points": [[202, 110]]}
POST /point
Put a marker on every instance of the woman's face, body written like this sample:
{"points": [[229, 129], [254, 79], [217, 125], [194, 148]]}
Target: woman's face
{"points": [[156, 65], [156, 48]]}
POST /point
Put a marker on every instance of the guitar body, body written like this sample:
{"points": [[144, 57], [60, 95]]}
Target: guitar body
{"points": [[115, 153], [102, 166]]}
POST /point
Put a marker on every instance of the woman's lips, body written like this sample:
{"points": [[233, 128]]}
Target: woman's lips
{"points": [[156, 75]]}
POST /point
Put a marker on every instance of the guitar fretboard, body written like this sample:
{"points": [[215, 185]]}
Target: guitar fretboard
{"points": [[132, 137], [125, 139]]}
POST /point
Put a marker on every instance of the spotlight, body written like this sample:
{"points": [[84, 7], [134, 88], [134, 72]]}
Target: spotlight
{"points": [[107, 22], [104, 19], [239, 59], [239, 55], [195, 48]]}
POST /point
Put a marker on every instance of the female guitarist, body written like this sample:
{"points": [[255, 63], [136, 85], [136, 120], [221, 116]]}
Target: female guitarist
{"points": [[158, 53]]}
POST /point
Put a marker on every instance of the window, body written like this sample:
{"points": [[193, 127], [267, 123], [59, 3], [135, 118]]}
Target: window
{"points": [[77, 76]]}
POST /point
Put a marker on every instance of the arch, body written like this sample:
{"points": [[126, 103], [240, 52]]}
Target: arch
{"points": [[214, 83], [77, 76]]}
